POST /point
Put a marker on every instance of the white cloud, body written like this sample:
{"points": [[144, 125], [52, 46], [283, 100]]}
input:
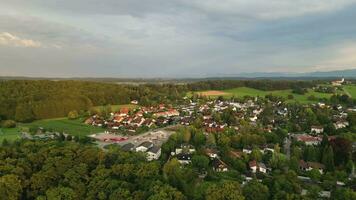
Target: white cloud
{"points": [[9, 39]]}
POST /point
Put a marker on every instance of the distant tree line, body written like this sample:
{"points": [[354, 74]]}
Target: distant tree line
{"points": [[27, 100], [266, 85]]}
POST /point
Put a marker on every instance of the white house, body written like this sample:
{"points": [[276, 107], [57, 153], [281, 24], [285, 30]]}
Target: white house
{"points": [[144, 146], [184, 158], [257, 167], [317, 129], [341, 124], [153, 153]]}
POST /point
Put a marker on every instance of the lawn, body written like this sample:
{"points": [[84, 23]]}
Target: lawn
{"points": [[9, 133]]}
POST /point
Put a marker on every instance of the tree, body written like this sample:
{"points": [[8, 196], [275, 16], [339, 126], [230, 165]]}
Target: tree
{"points": [[8, 124], [328, 158], [198, 139], [210, 141], [166, 192], [24, 113], [228, 190], [200, 162], [254, 190], [256, 154], [10, 187], [60, 193], [73, 114], [294, 164], [342, 149]]}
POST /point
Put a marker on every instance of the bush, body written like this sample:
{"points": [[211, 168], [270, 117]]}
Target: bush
{"points": [[8, 124], [73, 114]]}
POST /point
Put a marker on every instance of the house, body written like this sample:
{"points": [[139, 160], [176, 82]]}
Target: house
{"points": [[128, 147], [257, 167], [341, 124], [135, 102], [247, 150], [153, 153], [184, 158], [338, 82], [307, 166], [235, 154], [144, 146], [219, 165], [307, 139], [317, 129], [185, 148], [212, 153]]}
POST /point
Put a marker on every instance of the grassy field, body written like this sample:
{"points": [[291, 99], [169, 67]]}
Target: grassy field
{"points": [[73, 127], [115, 108], [9, 133], [245, 91], [350, 90]]}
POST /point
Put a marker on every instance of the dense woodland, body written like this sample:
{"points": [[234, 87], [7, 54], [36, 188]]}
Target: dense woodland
{"points": [[25, 101]]}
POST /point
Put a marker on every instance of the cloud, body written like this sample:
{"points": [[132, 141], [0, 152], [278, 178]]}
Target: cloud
{"points": [[159, 38], [13, 40]]}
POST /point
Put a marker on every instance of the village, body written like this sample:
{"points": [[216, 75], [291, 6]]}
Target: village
{"points": [[125, 129]]}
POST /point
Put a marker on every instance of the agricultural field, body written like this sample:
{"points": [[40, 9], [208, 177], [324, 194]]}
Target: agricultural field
{"points": [[245, 91]]}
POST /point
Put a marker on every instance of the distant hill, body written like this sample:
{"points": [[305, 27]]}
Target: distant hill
{"points": [[349, 73]]}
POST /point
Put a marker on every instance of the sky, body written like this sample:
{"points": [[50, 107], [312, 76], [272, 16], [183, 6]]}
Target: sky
{"points": [[174, 38]]}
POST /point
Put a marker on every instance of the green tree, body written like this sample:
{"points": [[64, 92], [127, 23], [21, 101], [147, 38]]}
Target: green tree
{"points": [[8, 124], [328, 158], [228, 190], [60, 193], [10, 187], [255, 191], [200, 162], [166, 192], [73, 114], [24, 113]]}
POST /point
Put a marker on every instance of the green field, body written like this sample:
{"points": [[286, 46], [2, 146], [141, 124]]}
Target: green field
{"points": [[115, 108], [350, 90], [73, 127], [9, 134], [245, 91]]}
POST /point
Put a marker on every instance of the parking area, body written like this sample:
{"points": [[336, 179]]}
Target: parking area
{"points": [[157, 137]]}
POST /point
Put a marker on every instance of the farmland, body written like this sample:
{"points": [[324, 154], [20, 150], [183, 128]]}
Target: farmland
{"points": [[245, 91]]}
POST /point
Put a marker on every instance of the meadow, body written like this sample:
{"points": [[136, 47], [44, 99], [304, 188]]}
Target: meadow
{"points": [[74, 127], [245, 91]]}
